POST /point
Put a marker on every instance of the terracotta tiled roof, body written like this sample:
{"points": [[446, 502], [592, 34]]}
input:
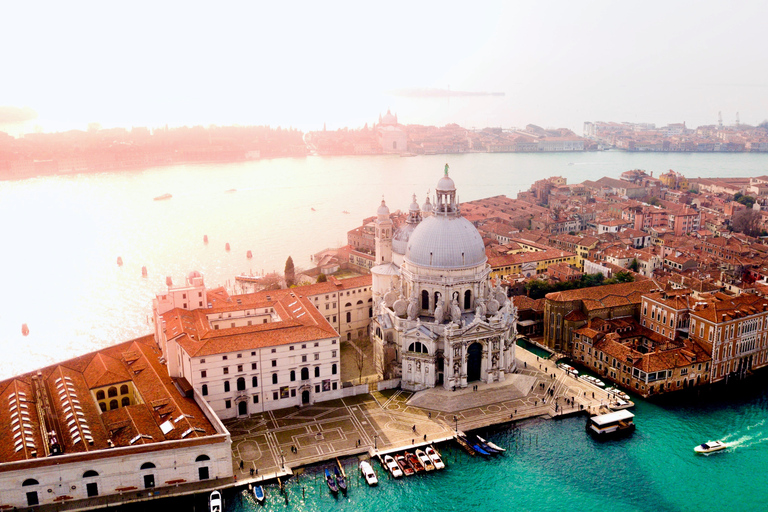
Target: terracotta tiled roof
{"points": [[630, 291]]}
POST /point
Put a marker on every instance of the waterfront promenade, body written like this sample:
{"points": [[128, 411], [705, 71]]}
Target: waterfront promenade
{"points": [[275, 443]]}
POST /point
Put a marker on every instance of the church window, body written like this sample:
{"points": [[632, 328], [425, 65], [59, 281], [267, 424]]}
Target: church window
{"points": [[467, 299], [418, 347], [424, 299]]}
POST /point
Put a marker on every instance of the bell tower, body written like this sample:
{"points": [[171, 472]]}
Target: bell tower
{"points": [[383, 235]]}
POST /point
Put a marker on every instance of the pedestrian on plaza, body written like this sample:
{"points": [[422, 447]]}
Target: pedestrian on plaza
{"points": [[251, 471], [425, 437], [241, 464], [414, 428], [430, 414], [526, 364]]}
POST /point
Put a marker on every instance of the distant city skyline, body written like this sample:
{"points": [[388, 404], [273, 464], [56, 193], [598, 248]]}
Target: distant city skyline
{"points": [[259, 64]]}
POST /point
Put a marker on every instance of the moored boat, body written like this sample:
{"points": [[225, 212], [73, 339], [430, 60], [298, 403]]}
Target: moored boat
{"points": [[413, 460], [618, 393], [568, 368], [214, 502], [614, 424], [482, 444], [474, 445], [258, 493], [368, 473], [404, 465], [330, 480], [593, 380], [392, 466], [710, 447], [425, 460], [434, 457], [340, 480], [491, 445]]}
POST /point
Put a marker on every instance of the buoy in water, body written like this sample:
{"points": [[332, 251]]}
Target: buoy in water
{"points": [[205, 239], [143, 271], [249, 254], [227, 246], [24, 329], [169, 281], [119, 261]]}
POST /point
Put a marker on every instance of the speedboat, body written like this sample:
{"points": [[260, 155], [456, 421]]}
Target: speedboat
{"points": [[618, 393], [331, 481], [491, 445], [593, 380], [417, 466], [425, 460], [258, 493], [404, 465], [340, 480], [392, 466], [568, 368], [710, 447], [367, 471], [214, 502], [435, 457]]}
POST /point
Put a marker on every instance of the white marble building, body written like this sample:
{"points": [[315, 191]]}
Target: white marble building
{"points": [[438, 321]]}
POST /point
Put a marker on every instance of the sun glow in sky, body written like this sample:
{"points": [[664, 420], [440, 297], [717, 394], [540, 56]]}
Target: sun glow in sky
{"points": [[305, 63]]}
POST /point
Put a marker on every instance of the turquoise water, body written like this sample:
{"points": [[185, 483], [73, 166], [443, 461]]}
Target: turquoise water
{"points": [[553, 465]]}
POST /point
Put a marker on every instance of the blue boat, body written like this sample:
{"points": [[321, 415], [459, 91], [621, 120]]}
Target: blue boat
{"points": [[258, 493], [475, 445], [486, 446], [331, 481]]}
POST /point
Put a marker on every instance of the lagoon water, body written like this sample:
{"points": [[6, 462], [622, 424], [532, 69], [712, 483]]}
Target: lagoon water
{"points": [[61, 237]]}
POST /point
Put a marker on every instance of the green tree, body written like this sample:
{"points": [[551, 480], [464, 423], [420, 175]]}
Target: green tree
{"points": [[634, 265], [290, 275], [322, 278]]}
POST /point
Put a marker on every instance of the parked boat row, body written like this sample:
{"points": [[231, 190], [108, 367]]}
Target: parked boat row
{"points": [[410, 463], [336, 481]]}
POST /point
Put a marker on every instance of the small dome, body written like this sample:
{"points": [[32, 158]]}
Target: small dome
{"points": [[383, 209], [388, 118], [414, 205], [446, 185], [194, 274]]}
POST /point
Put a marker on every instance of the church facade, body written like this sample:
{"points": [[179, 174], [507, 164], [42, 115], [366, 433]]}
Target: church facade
{"points": [[438, 320]]}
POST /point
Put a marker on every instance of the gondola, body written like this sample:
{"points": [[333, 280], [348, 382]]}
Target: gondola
{"points": [[331, 481], [340, 480], [475, 445], [491, 445]]}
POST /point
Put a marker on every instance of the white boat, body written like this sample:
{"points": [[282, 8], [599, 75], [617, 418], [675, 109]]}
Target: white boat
{"points": [[434, 457], [618, 393], [214, 502], [392, 466], [593, 380], [568, 368], [492, 445], [425, 460], [367, 471], [710, 447], [258, 493], [614, 424]]}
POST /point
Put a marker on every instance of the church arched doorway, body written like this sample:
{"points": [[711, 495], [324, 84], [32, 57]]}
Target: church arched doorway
{"points": [[474, 361], [305, 397]]}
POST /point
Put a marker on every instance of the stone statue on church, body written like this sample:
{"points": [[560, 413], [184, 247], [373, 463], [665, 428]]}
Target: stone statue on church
{"points": [[455, 312], [413, 308], [480, 310], [440, 311]]}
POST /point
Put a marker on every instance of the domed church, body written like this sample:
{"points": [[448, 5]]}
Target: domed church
{"points": [[438, 320]]}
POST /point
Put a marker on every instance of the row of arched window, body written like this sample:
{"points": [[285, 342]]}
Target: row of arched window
{"points": [[456, 295], [112, 392], [124, 402], [240, 383]]}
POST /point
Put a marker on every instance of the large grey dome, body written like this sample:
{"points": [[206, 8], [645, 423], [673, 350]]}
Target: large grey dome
{"points": [[446, 242]]}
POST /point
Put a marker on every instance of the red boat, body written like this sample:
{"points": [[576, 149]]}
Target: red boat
{"points": [[404, 465], [414, 461]]}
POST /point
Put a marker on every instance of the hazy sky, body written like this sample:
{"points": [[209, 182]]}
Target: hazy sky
{"points": [[302, 64]]}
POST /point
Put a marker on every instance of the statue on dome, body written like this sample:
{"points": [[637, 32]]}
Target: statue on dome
{"points": [[439, 311], [446, 169], [455, 312], [413, 308]]}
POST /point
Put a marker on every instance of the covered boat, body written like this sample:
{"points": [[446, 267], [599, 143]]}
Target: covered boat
{"points": [[710, 447], [614, 424], [258, 493]]}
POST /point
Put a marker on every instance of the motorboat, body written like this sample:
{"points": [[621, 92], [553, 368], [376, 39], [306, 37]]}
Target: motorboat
{"points": [[404, 465], [614, 424], [214, 502], [258, 493], [491, 445], [341, 481], [593, 380], [425, 460], [568, 368], [618, 393], [330, 480], [367, 471], [162, 197], [414, 461], [710, 447], [392, 466], [434, 457]]}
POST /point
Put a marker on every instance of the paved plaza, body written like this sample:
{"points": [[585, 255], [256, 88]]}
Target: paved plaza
{"points": [[273, 443]]}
